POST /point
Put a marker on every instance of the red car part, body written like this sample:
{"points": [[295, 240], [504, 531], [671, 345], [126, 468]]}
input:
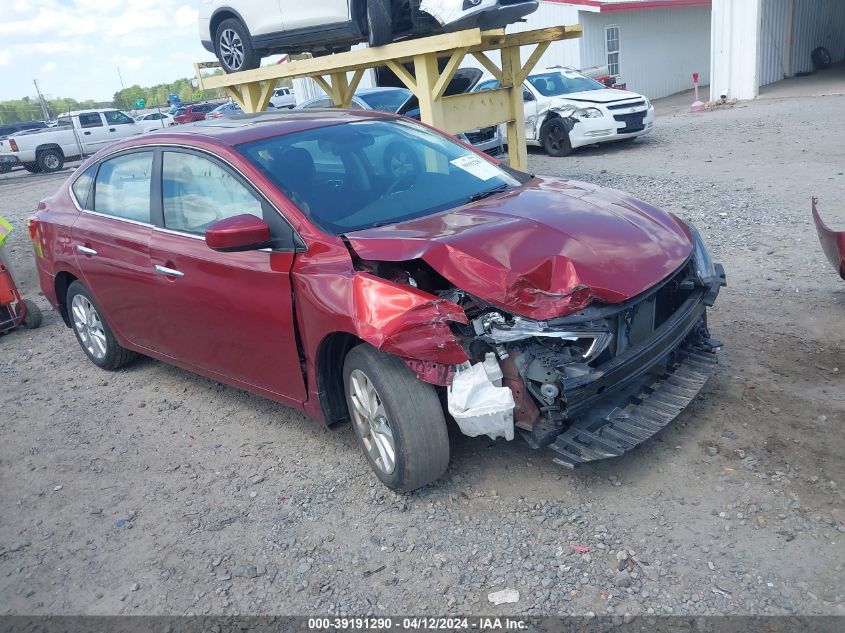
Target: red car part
{"points": [[833, 242]]}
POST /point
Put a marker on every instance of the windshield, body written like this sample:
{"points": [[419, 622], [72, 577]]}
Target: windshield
{"points": [[385, 100], [558, 83], [363, 174]]}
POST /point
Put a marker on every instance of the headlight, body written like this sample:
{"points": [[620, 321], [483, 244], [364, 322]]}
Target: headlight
{"points": [[704, 267], [588, 113], [647, 104]]}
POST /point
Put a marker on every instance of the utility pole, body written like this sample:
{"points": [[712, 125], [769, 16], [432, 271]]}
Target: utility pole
{"points": [[122, 87], [45, 113]]}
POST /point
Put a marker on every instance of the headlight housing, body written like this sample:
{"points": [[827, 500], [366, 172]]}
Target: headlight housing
{"points": [[588, 113], [704, 266]]}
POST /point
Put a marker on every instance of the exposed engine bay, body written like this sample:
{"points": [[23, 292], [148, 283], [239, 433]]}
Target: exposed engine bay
{"points": [[559, 370]]}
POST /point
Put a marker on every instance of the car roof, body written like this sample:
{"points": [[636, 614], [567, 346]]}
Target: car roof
{"points": [[90, 110], [246, 128]]}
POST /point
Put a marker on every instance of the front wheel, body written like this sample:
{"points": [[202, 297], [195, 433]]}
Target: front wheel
{"points": [[554, 136], [93, 332], [398, 419], [233, 46], [379, 22]]}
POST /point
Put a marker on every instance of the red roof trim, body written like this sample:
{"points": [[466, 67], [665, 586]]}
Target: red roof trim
{"points": [[610, 7]]}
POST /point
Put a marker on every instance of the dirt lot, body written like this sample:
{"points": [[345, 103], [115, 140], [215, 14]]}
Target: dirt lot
{"points": [[151, 490]]}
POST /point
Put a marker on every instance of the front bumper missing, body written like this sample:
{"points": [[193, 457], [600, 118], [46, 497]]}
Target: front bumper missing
{"points": [[655, 399]]}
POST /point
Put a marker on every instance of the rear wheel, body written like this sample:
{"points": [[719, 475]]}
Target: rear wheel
{"points": [[379, 22], [5, 168], [50, 160], [233, 45], [93, 332], [554, 136], [398, 419]]}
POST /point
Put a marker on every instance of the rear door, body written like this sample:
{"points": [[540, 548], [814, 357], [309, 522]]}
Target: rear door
{"points": [[93, 131], [226, 313], [111, 241]]}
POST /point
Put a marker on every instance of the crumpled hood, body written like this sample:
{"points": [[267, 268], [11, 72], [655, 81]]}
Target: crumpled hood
{"points": [[604, 95], [546, 249]]}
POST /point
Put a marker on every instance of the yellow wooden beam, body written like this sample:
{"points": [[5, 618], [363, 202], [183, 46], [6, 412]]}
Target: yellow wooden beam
{"points": [[325, 85], [489, 64], [528, 66], [448, 72], [511, 68], [404, 76], [492, 40], [476, 109]]}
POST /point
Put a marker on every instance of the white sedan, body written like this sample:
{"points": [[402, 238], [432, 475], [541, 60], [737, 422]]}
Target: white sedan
{"points": [[565, 110], [154, 121]]}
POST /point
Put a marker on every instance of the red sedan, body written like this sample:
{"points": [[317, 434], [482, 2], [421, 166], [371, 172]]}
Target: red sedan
{"points": [[361, 266], [193, 113]]}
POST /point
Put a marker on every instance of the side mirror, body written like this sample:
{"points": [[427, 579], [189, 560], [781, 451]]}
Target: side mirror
{"points": [[238, 233]]}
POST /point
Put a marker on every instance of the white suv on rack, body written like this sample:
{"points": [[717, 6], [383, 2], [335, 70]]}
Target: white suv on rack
{"points": [[241, 32]]}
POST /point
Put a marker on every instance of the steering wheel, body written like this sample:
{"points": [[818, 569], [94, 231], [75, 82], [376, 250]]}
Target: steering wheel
{"points": [[396, 186]]}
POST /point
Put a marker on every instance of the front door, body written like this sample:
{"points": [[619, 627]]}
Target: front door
{"points": [[92, 131], [111, 242], [228, 314]]}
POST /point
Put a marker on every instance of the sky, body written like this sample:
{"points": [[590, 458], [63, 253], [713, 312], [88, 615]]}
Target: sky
{"points": [[74, 47]]}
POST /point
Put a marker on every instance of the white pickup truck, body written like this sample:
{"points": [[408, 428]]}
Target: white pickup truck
{"points": [[77, 134]]}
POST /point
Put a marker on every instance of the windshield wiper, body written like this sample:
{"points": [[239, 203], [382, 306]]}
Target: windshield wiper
{"points": [[487, 193]]}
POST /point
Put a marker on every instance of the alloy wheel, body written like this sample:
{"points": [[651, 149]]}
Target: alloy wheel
{"points": [[232, 49], [51, 161], [371, 421], [89, 327]]}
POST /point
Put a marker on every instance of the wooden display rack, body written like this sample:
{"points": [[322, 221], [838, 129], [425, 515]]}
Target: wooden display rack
{"points": [[252, 89]]}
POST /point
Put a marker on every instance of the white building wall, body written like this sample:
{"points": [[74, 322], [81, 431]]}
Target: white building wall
{"points": [[735, 46], [774, 26], [659, 48]]}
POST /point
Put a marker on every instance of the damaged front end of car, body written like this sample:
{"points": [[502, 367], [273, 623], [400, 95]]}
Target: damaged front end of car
{"points": [[589, 385]]}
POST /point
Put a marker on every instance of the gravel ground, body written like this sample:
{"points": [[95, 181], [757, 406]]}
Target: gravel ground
{"points": [[152, 490]]}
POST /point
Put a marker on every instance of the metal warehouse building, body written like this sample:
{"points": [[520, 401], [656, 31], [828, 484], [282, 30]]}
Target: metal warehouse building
{"points": [[654, 46]]}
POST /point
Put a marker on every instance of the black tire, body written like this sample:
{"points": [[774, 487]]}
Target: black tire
{"points": [[554, 137], [32, 168], [414, 415], [50, 160], [5, 168], [821, 58], [32, 318], [115, 356], [379, 22], [400, 159], [233, 35]]}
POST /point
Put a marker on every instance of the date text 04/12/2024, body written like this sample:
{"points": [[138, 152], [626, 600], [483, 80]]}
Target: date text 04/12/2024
{"points": [[418, 623]]}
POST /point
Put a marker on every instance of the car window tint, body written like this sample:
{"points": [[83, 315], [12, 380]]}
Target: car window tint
{"points": [[82, 186], [491, 84], [64, 122], [115, 117], [90, 119], [320, 103], [197, 192], [123, 186]]}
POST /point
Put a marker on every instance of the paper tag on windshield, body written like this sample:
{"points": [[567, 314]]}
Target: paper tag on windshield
{"points": [[476, 166]]}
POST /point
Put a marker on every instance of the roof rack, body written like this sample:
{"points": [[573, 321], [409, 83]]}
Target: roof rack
{"points": [[415, 63]]}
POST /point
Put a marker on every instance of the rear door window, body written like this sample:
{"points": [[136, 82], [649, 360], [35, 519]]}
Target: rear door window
{"points": [[122, 187], [82, 187], [90, 119]]}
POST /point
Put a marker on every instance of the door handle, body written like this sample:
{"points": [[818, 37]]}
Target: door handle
{"points": [[85, 250], [111, 129], [168, 272], [87, 133]]}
